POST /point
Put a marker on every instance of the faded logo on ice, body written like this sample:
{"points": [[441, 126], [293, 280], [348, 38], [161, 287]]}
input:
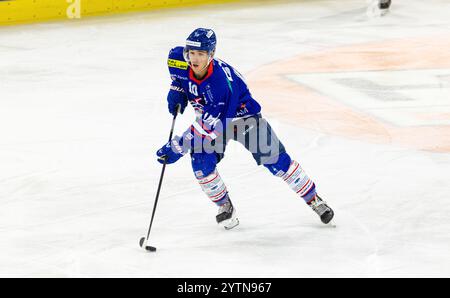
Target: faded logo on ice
{"points": [[391, 91]]}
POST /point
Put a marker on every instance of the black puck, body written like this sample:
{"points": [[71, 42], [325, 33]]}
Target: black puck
{"points": [[150, 248]]}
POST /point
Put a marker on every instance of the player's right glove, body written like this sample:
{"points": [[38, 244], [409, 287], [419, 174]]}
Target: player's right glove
{"points": [[176, 97]]}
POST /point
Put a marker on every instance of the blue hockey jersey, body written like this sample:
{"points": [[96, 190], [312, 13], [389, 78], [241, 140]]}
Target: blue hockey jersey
{"points": [[222, 95]]}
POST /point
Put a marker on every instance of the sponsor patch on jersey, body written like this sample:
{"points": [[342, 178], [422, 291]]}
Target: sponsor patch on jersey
{"points": [[177, 64], [174, 77]]}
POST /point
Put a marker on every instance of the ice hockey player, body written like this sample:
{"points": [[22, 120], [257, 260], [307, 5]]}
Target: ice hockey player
{"points": [[225, 110], [378, 7]]}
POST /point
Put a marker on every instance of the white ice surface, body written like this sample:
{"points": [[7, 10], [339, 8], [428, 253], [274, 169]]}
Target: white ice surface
{"points": [[82, 111]]}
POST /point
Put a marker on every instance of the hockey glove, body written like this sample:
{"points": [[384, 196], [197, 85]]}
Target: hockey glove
{"points": [[176, 97], [172, 151]]}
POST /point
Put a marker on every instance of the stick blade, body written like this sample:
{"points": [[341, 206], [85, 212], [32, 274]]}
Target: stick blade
{"points": [[141, 242]]}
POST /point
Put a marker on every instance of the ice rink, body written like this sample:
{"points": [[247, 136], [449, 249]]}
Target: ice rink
{"points": [[362, 103]]}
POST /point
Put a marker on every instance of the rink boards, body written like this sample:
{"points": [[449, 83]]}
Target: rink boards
{"points": [[28, 11]]}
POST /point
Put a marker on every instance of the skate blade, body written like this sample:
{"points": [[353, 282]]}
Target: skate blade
{"points": [[331, 224], [229, 224]]}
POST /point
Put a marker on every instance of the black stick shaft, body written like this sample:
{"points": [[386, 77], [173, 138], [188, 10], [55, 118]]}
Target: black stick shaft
{"points": [[162, 176]]}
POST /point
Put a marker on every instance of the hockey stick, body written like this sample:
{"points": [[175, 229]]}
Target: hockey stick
{"points": [[143, 241]]}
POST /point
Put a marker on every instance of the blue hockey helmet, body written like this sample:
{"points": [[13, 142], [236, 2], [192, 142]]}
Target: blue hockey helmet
{"points": [[201, 39]]}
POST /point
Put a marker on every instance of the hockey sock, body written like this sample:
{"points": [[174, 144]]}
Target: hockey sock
{"points": [[299, 182], [214, 187]]}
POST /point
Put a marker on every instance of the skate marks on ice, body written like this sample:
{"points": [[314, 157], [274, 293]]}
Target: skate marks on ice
{"points": [[287, 248]]}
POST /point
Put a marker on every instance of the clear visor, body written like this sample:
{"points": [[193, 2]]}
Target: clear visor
{"points": [[187, 58]]}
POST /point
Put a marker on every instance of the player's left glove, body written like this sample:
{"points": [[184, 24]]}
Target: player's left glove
{"points": [[171, 151]]}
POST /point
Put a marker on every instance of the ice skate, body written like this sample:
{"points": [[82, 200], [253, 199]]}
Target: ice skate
{"points": [[378, 8], [226, 216], [322, 209], [384, 6]]}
